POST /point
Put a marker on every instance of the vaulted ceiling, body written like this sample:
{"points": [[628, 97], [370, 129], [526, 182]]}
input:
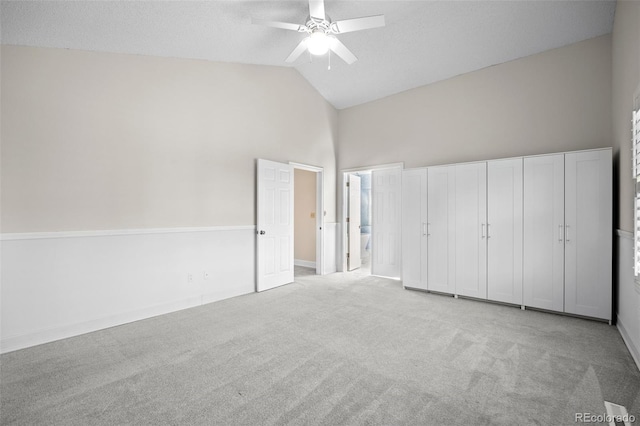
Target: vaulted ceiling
{"points": [[422, 42]]}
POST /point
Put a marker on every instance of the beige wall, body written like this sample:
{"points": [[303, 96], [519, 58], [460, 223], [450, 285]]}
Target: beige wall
{"points": [[553, 101], [626, 79], [304, 224], [95, 141]]}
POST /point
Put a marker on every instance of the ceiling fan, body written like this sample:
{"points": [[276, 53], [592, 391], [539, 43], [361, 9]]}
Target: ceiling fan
{"points": [[321, 30]]}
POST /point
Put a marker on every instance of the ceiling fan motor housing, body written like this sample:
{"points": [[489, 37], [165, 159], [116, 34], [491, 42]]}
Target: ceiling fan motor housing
{"points": [[315, 24]]}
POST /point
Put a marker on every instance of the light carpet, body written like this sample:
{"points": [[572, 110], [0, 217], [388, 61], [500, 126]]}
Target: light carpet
{"points": [[341, 349]]}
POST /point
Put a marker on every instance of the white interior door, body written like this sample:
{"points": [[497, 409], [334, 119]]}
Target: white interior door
{"points": [[588, 230], [274, 225], [353, 225], [414, 228], [543, 278], [504, 215], [386, 198], [441, 229], [472, 230]]}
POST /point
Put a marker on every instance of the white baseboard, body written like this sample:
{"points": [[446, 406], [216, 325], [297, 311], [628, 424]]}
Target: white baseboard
{"points": [[628, 306], [305, 263], [63, 285], [635, 351], [51, 334]]}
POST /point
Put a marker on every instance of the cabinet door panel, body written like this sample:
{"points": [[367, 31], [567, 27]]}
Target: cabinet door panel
{"points": [[588, 234], [543, 280], [414, 233], [471, 241], [504, 216], [440, 230]]}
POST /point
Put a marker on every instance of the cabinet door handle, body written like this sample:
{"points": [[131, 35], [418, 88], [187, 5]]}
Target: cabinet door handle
{"points": [[482, 225], [560, 233], [424, 228], [428, 229], [566, 233], [488, 230]]}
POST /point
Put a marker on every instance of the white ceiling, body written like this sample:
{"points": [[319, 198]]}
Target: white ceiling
{"points": [[423, 41]]}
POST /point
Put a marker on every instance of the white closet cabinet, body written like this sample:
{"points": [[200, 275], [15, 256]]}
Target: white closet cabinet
{"points": [[428, 225], [414, 228], [535, 231], [471, 230], [504, 230], [568, 232], [543, 281], [440, 230], [588, 233]]}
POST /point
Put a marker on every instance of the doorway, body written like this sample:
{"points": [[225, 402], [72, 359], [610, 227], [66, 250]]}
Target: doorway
{"points": [[358, 221], [275, 221], [379, 239], [308, 214]]}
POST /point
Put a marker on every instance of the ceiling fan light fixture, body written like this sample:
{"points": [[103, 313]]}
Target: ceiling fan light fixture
{"points": [[318, 43], [321, 29]]}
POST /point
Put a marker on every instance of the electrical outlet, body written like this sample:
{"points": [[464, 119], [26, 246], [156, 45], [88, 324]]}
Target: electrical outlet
{"points": [[205, 275], [189, 277]]}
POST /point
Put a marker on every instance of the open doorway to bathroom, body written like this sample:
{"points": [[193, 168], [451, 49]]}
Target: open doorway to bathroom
{"points": [[359, 221], [379, 231]]}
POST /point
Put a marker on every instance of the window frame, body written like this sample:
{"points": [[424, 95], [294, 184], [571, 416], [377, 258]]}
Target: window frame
{"points": [[635, 148]]}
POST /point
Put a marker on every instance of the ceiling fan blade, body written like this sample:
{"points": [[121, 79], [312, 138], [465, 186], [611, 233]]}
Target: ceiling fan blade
{"points": [[275, 24], [341, 50], [297, 51], [357, 24], [316, 9]]}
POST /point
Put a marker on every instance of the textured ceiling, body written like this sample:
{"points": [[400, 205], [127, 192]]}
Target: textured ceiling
{"points": [[423, 41]]}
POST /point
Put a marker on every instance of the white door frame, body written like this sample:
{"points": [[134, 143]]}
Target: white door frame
{"points": [[319, 212], [342, 207]]}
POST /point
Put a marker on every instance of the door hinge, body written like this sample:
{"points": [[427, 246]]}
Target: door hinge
{"points": [[347, 220], [347, 183], [347, 255]]}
